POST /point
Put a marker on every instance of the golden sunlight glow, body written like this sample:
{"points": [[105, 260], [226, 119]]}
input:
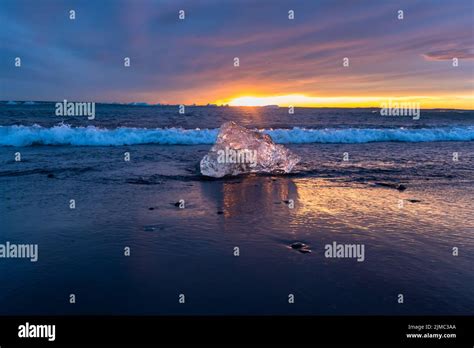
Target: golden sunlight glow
{"points": [[444, 102]]}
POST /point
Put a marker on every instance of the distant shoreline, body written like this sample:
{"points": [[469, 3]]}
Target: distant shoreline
{"points": [[143, 104]]}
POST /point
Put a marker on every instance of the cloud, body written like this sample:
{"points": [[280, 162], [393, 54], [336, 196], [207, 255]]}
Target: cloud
{"points": [[449, 54], [192, 60]]}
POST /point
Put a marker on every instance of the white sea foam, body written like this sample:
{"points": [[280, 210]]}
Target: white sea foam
{"points": [[367, 135], [139, 104], [93, 136]]}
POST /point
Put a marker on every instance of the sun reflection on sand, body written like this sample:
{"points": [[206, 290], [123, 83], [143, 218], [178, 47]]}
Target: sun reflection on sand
{"points": [[339, 207], [259, 193], [365, 207]]}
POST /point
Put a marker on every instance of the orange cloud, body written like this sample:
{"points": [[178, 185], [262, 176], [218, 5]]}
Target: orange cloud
{"points": [[450, 54]]}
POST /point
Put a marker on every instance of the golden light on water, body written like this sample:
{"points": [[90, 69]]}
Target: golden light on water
{"points": [[301, 100]]}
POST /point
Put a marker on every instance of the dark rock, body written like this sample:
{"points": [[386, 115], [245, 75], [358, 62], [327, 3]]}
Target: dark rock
{"points": [[301, 247], [413, 200], [399, 187], [298, 245], [176, 204], [151, 208], [220, 212]]}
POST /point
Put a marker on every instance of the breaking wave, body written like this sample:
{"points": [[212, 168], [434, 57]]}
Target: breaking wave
{"points": [[93, 136]]}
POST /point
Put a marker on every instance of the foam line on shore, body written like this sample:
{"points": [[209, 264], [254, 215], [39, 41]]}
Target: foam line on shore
{"points": [[94, 136]]}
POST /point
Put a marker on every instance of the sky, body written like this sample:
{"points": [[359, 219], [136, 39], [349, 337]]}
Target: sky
{"points": [[281, 61]]}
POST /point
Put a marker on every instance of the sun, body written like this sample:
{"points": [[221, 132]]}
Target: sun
{"points": [[249, 101], [304, 100], [282, 100]]}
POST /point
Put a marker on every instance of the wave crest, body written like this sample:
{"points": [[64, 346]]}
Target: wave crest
{"points": [[94, 136]]}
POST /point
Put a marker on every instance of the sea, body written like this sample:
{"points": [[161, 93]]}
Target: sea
{"points": [[125, 224]]}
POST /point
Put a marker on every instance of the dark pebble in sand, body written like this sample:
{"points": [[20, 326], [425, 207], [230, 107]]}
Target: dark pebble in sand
{"points": [[151, 208], [298, 245], [50, 175], [413, 200], [399, 187], [301, 247], [220, 212]]}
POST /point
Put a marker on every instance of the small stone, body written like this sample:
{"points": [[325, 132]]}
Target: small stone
{"points": [[401, 187], [176, 204], [151, 208], [298, 245], [413, 200], [220, 212], [301, 247]]}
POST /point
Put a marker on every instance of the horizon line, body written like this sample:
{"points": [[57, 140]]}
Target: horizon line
{"points": [[220, 105]]}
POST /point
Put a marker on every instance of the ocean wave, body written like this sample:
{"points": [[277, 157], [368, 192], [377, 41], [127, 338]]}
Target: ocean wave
{"points": [[94, 136], [368, 135]]}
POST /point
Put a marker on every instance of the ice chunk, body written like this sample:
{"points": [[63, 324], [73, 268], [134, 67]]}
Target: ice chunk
{"points": [[239, 150]]}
